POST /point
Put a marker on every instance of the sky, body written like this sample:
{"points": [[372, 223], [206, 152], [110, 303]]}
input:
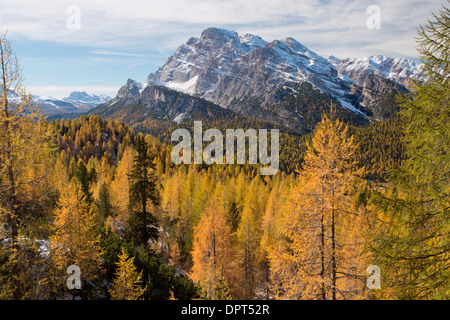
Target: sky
{"points": [[96, 45]]}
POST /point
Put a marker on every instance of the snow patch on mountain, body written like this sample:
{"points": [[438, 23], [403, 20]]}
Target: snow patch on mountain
{"points": [[185, 87], [252, 41], [179, 118], [348, 105]]}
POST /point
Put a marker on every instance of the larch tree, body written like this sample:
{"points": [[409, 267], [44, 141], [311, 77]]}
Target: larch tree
{"points": [[127, 282], [202, 193], [312, 261], [25, 159], [213, 255], [189, 216], [74, 239], [271, 233], [177, 199], [120, 189], [24, 143], [248, 240], [171, 205]]}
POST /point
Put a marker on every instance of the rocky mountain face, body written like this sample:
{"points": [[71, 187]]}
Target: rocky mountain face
{"points": [[156, 101], [158, 109], [280, 81], [377, 77], [245, 74]]}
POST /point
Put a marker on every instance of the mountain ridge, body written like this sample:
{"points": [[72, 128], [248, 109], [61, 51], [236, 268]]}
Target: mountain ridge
{"points": [[280, 81], [76, 102]]}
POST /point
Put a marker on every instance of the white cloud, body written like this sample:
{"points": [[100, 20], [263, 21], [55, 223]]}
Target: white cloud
{"points": [[132, 38], [115, 53]]}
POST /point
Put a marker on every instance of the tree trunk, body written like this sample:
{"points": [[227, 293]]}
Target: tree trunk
{"points": [[333, 255], [322, 245], [144, 209]]}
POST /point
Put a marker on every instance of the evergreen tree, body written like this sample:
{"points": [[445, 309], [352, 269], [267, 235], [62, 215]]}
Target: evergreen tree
{"points": [[85, 178], [144, 195], [105, 208], [413, 237]]}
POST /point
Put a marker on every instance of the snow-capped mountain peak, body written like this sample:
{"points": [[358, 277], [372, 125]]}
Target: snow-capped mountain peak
{"points": [[203, 66], [81, 97], [400, 70], [76, 102], [251, 76], [252, 40]]}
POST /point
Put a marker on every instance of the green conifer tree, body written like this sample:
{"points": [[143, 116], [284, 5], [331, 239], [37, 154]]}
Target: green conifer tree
{"points": [[412, 240], [144, 195]]}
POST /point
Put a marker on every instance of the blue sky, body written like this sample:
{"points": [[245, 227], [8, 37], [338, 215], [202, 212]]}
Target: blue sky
{"points": [[117, 40]]}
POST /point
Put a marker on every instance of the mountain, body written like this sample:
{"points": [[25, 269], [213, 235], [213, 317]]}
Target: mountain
{"points": [[153, 109], [160, 106], [47, 104], [76, 102], [400, 70], [85, 99], [252, 77], [281, 81], [159, 110], [52, 106], [379, 78]]}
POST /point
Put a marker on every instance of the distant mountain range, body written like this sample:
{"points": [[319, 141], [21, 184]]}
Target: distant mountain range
{"points": [[76, 102], [282, 82]]}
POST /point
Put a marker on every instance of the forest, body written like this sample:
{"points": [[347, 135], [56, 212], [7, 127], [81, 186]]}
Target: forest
{"points": [[105, 197]]}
